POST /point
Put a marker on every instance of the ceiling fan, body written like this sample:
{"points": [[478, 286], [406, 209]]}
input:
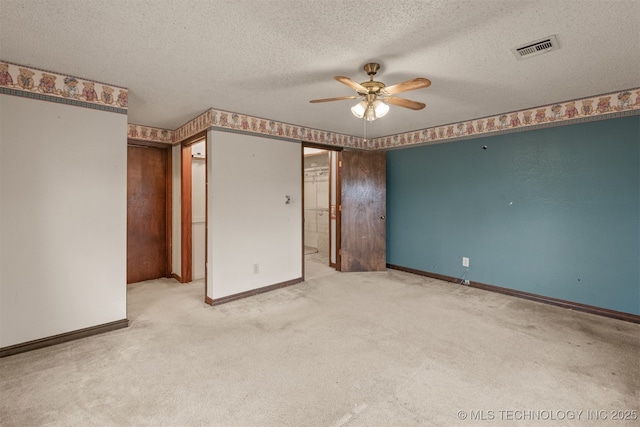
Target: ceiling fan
{"points": [[376, 95]]}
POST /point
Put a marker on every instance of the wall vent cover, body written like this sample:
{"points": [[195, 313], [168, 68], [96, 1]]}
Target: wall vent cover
{"points": [[536, 47]]}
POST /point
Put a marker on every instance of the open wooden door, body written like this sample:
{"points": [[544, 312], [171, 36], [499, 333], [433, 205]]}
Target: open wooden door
{"points": [[363, 204]]}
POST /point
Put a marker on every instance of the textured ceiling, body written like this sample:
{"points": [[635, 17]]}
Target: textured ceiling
{"points": [[268, 58]]}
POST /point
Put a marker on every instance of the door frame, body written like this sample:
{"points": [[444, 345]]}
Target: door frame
{"points": [[338, 190], [168, 195], [186, 211]]}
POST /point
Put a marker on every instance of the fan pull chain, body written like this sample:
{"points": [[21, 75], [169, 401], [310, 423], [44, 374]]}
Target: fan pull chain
{"points": [[364, 131]]}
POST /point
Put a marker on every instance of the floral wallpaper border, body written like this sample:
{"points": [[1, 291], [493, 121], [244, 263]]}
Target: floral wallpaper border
{"points": [[590, 108], [242, 123], [598, 107], [193, 126], [149, 133], [29, 82]]}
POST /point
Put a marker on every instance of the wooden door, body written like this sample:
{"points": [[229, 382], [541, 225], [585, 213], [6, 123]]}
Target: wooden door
{"points": [[363, 201], [147, 256]]}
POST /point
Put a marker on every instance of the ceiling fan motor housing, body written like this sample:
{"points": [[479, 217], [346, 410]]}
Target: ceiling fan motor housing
{"points": [[371, 68], [372, 86]]}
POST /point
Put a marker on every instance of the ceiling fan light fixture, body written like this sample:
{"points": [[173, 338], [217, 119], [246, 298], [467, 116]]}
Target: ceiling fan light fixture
{"points": [[370, 110], [370, 114], [381, 108], [359, 109]]}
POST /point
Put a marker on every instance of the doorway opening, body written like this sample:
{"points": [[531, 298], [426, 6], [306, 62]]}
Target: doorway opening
{"points": [[198, 209], [194, 209], [320, 213]]}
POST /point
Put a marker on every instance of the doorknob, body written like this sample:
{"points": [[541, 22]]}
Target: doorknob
{"points": [[382, 217]]}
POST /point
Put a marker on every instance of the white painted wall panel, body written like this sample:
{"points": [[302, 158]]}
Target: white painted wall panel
{"points": [[62, 218], [249, 221]]}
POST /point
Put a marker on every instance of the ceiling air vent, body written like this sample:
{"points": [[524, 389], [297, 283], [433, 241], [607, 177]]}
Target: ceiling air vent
{"points": [[536, 47]]}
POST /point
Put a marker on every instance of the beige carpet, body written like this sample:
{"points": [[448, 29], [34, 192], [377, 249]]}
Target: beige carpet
{"points": [[344, 349], [316, 266]]}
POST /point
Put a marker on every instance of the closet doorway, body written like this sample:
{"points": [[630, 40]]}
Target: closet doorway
{"points": [[321, 216], [198, 209], [193, 209]]}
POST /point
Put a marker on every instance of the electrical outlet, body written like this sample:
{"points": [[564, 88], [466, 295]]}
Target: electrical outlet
{"points": [[466, 282], [256, 268], [465, 261]]}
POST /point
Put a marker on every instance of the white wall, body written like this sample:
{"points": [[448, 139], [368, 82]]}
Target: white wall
{"points": [[176, 219], [249, 222], [62, 218], [198, 209]]}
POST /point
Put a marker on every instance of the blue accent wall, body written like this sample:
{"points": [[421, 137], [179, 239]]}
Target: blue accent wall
{"points": [[554, 211]]}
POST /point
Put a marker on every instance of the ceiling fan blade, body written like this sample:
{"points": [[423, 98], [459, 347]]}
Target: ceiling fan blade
{"points": [[406, 103], [352, 84], [414, 84], [339, 98]]}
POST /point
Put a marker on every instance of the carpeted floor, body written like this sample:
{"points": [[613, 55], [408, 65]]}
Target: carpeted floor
{"points": [[341, 349], [316, 265]]}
